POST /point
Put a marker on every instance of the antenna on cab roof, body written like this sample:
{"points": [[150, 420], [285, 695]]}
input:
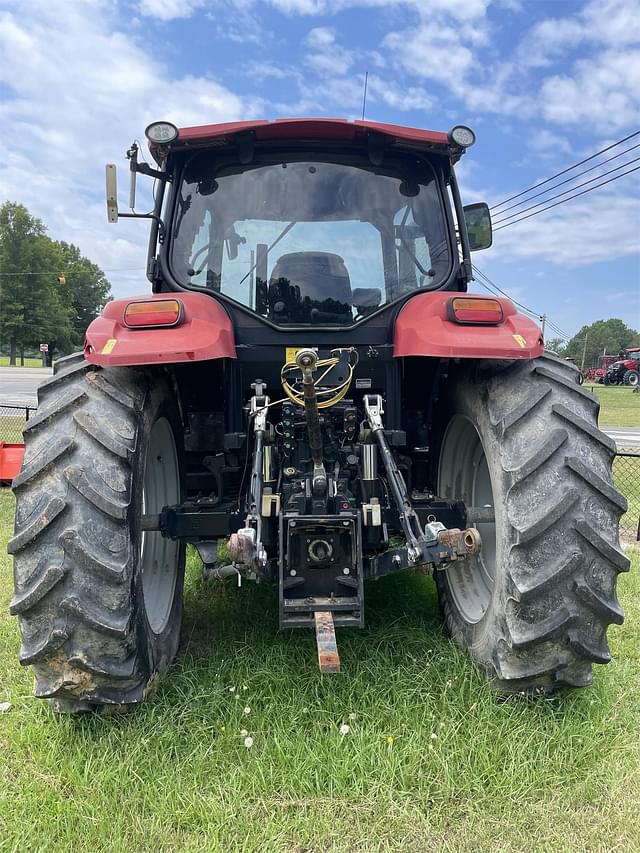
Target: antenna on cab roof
{"points": [[364, 96]]}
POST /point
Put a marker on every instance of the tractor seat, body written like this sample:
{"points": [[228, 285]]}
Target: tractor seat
{"points": [[314, 283]]}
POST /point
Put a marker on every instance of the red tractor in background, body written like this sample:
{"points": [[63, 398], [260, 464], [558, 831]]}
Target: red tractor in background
{"points": [[310, 384], [624, 370]]}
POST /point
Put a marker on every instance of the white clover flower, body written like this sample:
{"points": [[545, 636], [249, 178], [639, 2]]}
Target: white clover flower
{"points": [[352, 717], [232, 690], [344, 729], [243, 733], [248, 742], [247, 710], [244, 687], [434, 736]]}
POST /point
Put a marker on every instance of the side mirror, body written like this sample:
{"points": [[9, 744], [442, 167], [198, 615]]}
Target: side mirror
{"points": [[478, 221], [112, 193]]}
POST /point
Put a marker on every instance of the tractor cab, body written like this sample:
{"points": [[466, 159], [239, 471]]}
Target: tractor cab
{"points": [[309, 222]]}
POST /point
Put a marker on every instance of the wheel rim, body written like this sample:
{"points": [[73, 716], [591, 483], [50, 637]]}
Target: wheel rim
{"points": [[633, 379], [159, 556], [463, 475]]}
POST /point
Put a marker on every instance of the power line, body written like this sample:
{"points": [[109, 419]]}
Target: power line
{"points": [[568, 169], [71, 272], [492, 287], [565, 200], [565, 192], [569, 180], [504, 292]]}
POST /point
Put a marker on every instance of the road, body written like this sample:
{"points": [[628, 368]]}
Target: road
{"points": [[18, 387], [624, 436]]}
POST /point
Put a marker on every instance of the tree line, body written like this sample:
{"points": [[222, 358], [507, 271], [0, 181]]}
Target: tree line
{"points": [[49, 292], [604, 337]]}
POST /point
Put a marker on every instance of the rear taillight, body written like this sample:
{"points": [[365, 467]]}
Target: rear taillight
{"points": [[463, 309], [157, 312]]}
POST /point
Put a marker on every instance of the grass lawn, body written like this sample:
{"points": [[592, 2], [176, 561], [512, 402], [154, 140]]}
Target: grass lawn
{"points": [[619, 406], [626, 478], [464, 771], [11, 426], [28, 362]]}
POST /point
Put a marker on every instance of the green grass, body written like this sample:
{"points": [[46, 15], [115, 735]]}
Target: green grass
{"points": [[619, 406], [626, 478], [11, 427], [28, 362], [556, 774]]}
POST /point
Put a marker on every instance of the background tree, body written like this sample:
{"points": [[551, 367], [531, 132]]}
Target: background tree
{"points": [[610, 335], [556, 345], [84, 292], [49, 292]]}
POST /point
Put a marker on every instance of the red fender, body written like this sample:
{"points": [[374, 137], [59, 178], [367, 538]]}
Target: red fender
{"points": [[11, 456], [423, 327], [204, 333]]}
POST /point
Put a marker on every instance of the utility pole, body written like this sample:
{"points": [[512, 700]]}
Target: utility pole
{"points": [[584, 350], [543, 320]]}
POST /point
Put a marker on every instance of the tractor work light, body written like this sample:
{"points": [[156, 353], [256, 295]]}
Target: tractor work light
{"points": [[151, 314], [462, 309], [462, 136], [161, 132]]}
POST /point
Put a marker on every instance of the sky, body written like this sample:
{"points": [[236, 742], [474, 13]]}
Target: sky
{"points": [[543, 85]]}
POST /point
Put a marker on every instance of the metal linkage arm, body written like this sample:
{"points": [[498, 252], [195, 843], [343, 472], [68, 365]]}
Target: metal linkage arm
{"points": [[408, 518], [245, 546], [434, 546]]}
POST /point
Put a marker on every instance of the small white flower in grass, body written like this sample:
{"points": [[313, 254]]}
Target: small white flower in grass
{"points": [[244, 687], [243, 733], [248, 742], [4, 707], [247, 710], [434, 736], [352, 717], [344, 729], [305, 710], [232, 690]]}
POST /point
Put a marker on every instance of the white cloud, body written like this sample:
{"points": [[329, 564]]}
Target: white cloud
{"points": [[320, 37], [603, 90], [599, 227], [326, 56], [615, 22], [71, 110], [544, 142], [168, 10], [431, 50]]}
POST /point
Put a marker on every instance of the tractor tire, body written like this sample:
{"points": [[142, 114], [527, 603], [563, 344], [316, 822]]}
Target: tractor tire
{"points": [[534, 606], [631, 378], [99, 603]]}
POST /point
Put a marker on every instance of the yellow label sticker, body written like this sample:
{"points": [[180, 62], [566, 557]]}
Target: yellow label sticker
{"points": [[290, 353], [519, 340], [110, 344]]}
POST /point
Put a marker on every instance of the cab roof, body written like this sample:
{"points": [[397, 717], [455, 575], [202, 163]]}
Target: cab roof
{"points": [[312, 129]]}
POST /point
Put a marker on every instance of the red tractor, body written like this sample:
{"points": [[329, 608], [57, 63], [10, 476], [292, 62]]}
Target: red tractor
{"points": [[625, 370], [311, 385]]}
